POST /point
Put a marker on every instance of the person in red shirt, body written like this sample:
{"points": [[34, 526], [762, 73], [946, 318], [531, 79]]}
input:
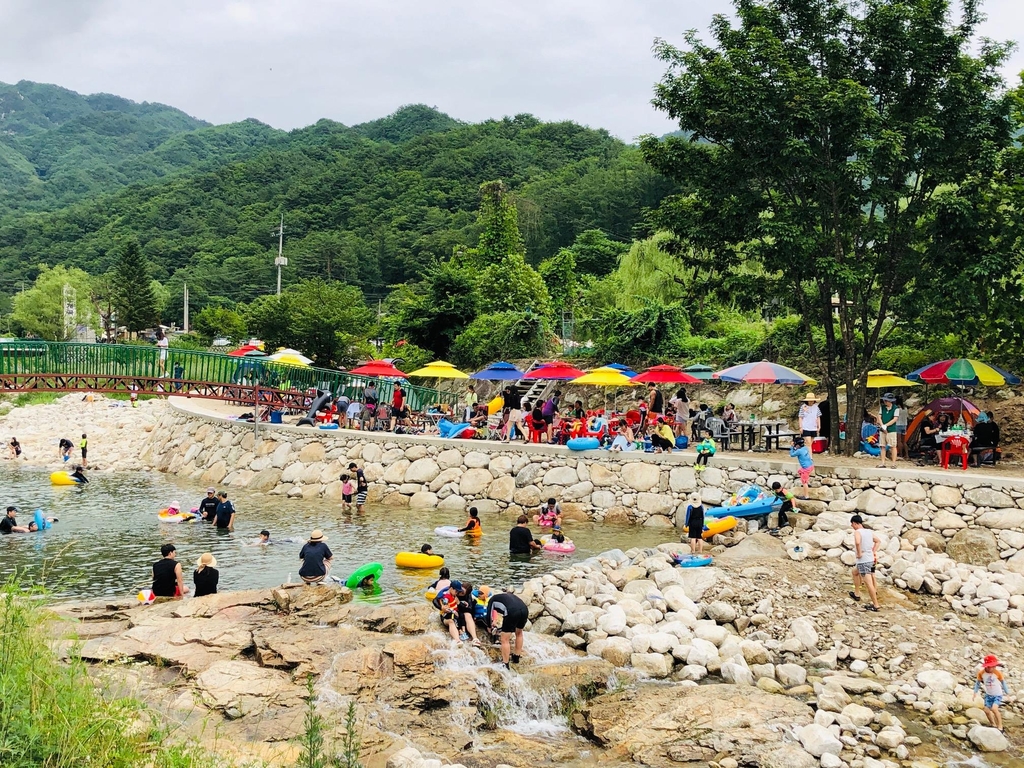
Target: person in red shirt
{"points": [[397, 406]]}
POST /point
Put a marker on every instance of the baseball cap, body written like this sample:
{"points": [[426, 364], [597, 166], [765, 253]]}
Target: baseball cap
{"points": [[211, 489]]}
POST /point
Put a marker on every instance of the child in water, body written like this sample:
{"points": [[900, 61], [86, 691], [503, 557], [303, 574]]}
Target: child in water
{"points": [[991, 679], [473, 527], [347, 489]]}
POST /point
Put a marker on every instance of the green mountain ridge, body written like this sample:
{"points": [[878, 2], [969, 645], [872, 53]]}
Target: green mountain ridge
{"points": [[373, 204]]}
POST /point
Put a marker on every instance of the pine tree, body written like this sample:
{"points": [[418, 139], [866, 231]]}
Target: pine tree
{"points": [[133, 292]]}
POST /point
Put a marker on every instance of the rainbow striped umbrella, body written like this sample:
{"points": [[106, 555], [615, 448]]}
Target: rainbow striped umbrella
{"points": [[963, 372], [763, 373]]}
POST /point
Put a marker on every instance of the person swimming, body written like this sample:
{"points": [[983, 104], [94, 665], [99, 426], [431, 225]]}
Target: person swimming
{"points": [[264, 537], [78, 475], [473, 526], [368, 583], [426, 549]]}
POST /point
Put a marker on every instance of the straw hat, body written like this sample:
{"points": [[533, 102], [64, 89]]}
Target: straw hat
{"points": [[317, 535], [810, 397], [206, 560]]}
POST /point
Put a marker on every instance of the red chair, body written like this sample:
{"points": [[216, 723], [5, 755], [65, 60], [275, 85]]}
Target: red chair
{"points": [[956, 446]]}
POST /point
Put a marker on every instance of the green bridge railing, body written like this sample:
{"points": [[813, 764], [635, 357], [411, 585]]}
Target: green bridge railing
{"points": [[125, 361]]}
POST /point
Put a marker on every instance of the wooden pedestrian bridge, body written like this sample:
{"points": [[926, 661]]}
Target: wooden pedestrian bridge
{"points": [[42, 366]]}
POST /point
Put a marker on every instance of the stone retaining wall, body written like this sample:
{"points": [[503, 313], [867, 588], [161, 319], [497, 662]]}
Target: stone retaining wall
{"points": [[426, 472]]}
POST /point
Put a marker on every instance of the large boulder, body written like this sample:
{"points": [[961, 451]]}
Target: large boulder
{"points": [[945, 520], [910, 491], [502, 488], [976, 546], [1002, 518], [938, 680], [641, 475], [652, 664], [988, 497], [682, 479], [819, 740], [475, 481], [803, 629], [871, 502], [988, 739], [945, 496], [932, 540], [240, 688], [561, 476], [602, 477], [422, 471]]}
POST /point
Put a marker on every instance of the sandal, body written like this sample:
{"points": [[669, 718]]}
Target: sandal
{"points": [[870, 608], [855, 596]]}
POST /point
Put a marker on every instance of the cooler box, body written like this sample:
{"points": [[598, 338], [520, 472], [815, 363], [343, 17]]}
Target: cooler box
{"points": [[820, 444], [275, 417]]}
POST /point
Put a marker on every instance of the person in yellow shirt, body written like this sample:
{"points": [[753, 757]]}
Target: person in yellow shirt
{"points": [[662, 437]]}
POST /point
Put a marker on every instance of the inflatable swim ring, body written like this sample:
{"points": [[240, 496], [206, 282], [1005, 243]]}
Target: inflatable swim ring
{"points": [[328, 426], [550, 545], [693, 561], [418, 560], [450, 531], [869, 449], [63, 478], [716, 525], [370, 569], [167, 516], [583, 444], [40, 520]]}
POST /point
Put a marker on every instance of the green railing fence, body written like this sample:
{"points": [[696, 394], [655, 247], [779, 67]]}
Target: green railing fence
{"points": [[121, 361]]}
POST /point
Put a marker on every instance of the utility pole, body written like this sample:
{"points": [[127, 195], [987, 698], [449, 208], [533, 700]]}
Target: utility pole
{"points": [[280, 261], [186, 307]]}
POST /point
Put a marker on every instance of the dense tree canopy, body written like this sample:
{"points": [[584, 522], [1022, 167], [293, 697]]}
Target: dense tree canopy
{"points": [[818, 137]]}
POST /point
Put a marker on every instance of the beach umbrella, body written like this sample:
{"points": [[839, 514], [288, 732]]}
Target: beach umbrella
{"points": [[255, 353], [963, 372], [604, 377], [698, 371], [291, 357], [439, 369], [378, 368], [242, 350], [555, 371], [879, 379], [665, 374], [498, 372], [762, 373], [624, 369]]}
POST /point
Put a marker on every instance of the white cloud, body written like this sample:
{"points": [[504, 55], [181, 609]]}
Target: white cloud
{"points": [[290, 63]]}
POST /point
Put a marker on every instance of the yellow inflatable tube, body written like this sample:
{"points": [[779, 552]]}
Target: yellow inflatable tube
{"points": [[418, 560], [716, 525], [62, 478]]}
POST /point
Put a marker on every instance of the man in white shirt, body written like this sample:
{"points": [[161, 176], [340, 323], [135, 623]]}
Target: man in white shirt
{"points": [[810, 420]]}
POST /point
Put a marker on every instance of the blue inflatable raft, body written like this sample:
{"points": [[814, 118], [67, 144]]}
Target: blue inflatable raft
{"points": [[750, 501]]}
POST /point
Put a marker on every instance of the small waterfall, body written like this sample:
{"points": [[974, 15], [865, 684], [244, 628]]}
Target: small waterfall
{"points": [[507, 695]]}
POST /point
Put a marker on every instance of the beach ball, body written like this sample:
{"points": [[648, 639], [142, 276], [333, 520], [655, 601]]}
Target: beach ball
{"points": [[146, 597]]}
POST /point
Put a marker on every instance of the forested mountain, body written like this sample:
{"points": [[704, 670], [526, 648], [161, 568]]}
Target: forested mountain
{"points": [[372, 204], [57, 146]]}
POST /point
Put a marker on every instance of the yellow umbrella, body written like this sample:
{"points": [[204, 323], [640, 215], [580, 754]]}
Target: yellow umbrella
{"points": [[439, 369], [604, 377], [879, 379], [291, 357]]}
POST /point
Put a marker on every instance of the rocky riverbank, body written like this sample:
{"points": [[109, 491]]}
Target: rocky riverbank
{"points": [[759, 660]]}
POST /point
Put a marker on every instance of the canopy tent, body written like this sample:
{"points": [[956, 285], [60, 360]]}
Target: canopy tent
{"points": [[500, 371], [963, 372], [381, 368]]}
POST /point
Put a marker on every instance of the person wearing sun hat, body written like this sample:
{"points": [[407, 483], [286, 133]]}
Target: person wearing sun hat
{"points": [[810, 420], [316, 558], [206, 576], [992, 680]]}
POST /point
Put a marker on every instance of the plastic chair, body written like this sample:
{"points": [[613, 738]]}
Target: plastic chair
{"points": [[718, 430], [956, 446]]}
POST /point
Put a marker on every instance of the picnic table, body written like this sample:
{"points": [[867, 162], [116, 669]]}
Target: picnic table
{"points": [[761, 433]]}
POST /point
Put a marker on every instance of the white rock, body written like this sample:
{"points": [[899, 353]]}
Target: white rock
{"points": [[937, 680], [828, 760], [818, 740], [858, 715], [641, 475], [720, 611], [652, 664], [737, 674], [790, 674], [702, 653], [890, 737], [613, 622], [803, 630], [988, 739]]}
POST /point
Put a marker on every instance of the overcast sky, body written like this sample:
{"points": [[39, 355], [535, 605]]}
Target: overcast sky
{"points": [[291, 62]]}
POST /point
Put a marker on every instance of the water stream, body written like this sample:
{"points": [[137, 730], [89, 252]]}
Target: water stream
{"points": [[108, 538]]}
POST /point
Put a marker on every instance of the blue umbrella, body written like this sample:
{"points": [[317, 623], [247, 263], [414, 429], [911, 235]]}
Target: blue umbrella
{"points": [[498, 372], [624, 369]]}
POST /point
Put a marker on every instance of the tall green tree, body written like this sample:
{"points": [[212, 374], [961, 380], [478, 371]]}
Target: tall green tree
{"points": [[500, 236], [39, 311], [819, 134], [134, 298]]}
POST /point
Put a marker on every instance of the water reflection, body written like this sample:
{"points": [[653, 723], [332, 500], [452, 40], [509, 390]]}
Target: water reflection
{"points": [[108, 538]]}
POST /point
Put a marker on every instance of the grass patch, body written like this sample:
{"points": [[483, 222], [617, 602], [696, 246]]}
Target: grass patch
{"points": [[37, 398], [51, 713]]}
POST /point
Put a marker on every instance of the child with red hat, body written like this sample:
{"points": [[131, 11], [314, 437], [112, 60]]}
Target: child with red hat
{"points": [[992, 680]]}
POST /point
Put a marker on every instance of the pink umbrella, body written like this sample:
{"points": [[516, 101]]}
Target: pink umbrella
{"points": [[378, 368], [666, 374], [556, 371]]}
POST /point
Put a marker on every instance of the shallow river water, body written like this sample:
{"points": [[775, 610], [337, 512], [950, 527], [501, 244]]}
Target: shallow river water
{"points": [[108, 538]]}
